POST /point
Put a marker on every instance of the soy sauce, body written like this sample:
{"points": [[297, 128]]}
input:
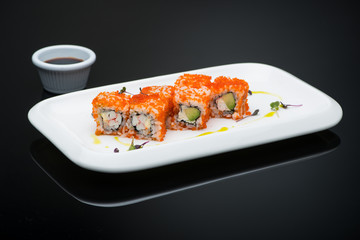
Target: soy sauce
{"points": [[64, 60]]}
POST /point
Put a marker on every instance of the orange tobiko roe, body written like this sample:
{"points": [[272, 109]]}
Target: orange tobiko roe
{"points": [[166, 91], [193, 80], [223, 82]]}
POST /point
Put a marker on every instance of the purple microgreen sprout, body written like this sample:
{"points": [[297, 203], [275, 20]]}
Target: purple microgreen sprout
{"points": [[253, 114], [250, 92], [141, 145], [123, 90], [289, 105], [116, 150], [142, 92], [275, 106], [134, 147]]}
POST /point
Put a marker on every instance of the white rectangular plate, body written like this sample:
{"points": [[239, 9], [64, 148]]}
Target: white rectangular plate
{"points": [[67, 122]]}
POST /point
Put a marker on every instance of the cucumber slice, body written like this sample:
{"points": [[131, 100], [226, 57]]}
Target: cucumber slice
{"points": [[229, 100], [192, 113]]}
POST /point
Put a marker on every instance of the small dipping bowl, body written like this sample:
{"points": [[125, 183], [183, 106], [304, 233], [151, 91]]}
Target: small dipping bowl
{"points": [[64, 68]]}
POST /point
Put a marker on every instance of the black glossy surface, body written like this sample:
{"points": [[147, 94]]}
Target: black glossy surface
{"points": [[248, 194], [101, 189]]}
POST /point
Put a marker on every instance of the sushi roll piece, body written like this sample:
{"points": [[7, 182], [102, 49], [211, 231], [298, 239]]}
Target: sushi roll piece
{"points": [[229, 98], [167, 92], [191, 102], [147, 119], [111, 111]]}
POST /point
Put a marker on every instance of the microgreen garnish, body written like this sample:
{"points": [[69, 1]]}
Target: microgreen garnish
{"points": [[134, 147], [123, 90], [253, 114], [289, 105], [116, 150], [250, 92], [275, 106], [142, 92]]}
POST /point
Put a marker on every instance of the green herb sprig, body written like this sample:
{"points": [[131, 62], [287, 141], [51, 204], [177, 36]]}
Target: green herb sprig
{"points": [[275, 106], [123, 90]]}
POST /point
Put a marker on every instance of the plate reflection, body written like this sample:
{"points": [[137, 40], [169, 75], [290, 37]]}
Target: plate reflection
{"points": [[112, 190]]}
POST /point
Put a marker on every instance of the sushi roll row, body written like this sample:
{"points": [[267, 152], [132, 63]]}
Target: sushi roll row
{"points": [[189, 104]]}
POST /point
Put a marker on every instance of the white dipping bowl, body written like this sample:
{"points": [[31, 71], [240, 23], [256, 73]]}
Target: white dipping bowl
{"points": [[64, 78]]}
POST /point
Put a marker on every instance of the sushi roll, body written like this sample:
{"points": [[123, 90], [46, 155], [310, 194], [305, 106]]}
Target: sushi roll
{"points": [[167, 92], [111, 111], [191, 102], [147, 119], [229, 98]]}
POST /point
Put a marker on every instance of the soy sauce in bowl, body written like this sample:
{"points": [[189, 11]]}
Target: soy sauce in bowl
{"points": [[63, 68], [64, 60]]}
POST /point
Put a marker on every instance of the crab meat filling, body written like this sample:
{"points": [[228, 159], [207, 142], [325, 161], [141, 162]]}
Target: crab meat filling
{"points": [[226, 103], [188, 114], [111, 120], [142, 123]]}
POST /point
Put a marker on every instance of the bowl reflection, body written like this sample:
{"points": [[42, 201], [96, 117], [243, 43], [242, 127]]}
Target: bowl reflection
{"points": [[112, 190]]}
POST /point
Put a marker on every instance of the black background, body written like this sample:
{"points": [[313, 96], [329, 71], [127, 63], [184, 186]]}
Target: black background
{"points": [[314, 198]]}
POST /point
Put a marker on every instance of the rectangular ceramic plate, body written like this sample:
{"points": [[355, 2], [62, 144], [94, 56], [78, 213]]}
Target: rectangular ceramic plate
{"points": [[67, 122]]}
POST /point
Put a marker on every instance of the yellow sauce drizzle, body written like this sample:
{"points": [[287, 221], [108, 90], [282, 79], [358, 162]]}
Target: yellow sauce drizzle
{"points": [[158, 144], [122, 143], [268, 93], [95, 138], [270, 114], [223, 129]]}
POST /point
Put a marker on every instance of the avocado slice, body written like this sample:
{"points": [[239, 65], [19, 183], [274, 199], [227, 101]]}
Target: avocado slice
{"points": [[192, 113], [229, 100]]}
